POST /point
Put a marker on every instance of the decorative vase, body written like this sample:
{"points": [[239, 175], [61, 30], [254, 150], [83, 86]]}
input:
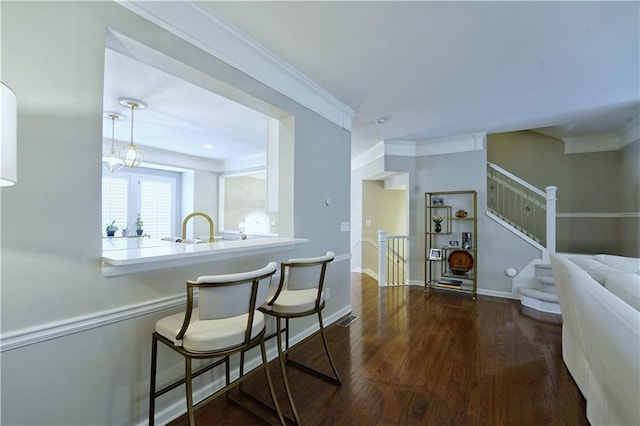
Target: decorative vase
{"points": [[139, 231], [438, 227], [111, 233]]}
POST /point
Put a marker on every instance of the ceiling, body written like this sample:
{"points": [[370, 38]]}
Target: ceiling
{"points": [[429, 69], [180, 116]]}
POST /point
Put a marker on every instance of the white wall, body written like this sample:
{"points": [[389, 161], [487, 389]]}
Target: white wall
{"points": [[52, 57]]}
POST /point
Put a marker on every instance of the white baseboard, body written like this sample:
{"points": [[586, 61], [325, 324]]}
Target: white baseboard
{"points": [[484, 292]]}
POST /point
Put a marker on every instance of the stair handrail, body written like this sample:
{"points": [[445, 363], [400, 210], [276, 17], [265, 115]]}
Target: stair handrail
{"points": [[517, 179], [549, 195]]}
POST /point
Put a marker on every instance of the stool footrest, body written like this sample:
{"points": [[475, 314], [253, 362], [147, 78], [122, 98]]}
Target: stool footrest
{"points": [[256, 400], [330, 379], [177, 383]]}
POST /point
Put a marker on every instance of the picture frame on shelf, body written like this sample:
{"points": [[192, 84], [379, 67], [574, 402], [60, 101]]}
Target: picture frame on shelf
{"points": [[435, 254], [454, 243], [467, 240], [437, 201]]}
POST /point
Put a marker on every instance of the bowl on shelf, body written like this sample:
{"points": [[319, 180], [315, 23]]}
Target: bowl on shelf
{"points": [[461, 213]]}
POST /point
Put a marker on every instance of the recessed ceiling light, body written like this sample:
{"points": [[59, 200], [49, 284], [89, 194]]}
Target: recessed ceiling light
{"points": [[208, 146], [380, 121]]}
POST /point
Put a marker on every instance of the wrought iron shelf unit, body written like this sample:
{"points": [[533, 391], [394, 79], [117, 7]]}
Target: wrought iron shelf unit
{"points": [[451, 254]]}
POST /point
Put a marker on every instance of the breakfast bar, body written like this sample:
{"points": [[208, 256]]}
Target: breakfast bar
{"points": [[128, 256]]}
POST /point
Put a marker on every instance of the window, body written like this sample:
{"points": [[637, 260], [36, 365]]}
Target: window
{"points": [[151, 193], [243, 201]]}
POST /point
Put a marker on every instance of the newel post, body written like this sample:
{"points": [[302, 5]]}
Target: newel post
{"points": [[551, 222], [382, 263]]}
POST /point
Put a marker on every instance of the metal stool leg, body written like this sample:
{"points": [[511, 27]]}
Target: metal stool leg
{"points": [[152, 383], [189, 390], [283, 368], [272, 390], [326, 349], [335, 379]]}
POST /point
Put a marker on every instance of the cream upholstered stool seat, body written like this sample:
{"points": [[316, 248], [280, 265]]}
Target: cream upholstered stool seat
{"points": [[226, 321], [209, 335], [300, 294], [294, 301]]}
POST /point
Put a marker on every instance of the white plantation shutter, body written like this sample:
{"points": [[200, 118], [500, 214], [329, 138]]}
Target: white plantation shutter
{"points": [[157, 206], [152, 193], [115, 196]]}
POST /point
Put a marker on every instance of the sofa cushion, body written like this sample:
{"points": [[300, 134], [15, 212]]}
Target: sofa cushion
{"points": [[630, 265], [626, 287], [597, 270]]}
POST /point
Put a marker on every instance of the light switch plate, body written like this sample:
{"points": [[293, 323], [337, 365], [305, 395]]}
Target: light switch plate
{"points": [[344, 226]]}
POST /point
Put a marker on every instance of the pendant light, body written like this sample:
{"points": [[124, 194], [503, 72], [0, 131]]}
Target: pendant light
{"points": [[131, 154], [111, 161]]}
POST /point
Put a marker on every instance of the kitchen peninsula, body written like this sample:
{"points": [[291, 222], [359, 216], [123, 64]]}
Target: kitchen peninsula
{"points": [[129, 256]]}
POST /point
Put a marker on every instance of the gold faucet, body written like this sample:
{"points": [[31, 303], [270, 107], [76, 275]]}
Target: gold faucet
{"points": [[206, 216]]}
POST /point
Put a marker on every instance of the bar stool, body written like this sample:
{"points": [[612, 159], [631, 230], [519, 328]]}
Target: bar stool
{"points": [[299, 294], [226, 321]]}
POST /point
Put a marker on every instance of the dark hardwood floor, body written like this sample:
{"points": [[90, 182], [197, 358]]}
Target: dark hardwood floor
{"points": [[417, 359]]}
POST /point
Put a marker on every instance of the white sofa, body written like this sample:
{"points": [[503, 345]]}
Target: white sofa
{"points": [[599, 298]]}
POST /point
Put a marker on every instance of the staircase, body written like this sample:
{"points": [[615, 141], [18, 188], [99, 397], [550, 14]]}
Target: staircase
{"points": [[530, 213], [543, 296]]}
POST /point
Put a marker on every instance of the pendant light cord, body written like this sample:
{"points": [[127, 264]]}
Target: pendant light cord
{"points": [[113, 132], [133, 107]]}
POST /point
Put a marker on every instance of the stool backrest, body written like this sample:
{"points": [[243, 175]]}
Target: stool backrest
{"points": [[305, 273], [229, 295]]}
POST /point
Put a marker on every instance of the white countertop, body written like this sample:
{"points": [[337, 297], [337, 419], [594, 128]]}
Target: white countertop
{"points": [[130, 255]]}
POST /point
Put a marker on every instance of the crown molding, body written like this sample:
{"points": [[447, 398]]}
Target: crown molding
{"points": [[408, 148], [199, 27], [369, 156], [593, 143], [400, 148], [630, 132], [452, 144], [626, 135]]}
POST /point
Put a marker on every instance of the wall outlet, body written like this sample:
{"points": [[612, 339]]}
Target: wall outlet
{"points": [[327, 293]]}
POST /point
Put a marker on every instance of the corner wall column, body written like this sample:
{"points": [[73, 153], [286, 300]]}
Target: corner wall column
{"points": [[551, 222], [382, 264]]}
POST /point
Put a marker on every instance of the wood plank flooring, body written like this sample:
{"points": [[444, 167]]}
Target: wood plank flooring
{"points": [[418, 359]]}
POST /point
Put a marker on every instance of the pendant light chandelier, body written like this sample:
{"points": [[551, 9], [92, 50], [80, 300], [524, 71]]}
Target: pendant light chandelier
{"points": [[111, 161], [131, 154]]}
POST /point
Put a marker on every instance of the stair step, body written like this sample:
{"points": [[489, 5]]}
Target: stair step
{"points": [[542, 266], [546, 281], [540, 295], [544, 274]]}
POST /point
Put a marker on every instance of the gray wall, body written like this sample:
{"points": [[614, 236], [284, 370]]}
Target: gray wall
{"points": [[497, 248], [52, 57], [589, 184]]}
